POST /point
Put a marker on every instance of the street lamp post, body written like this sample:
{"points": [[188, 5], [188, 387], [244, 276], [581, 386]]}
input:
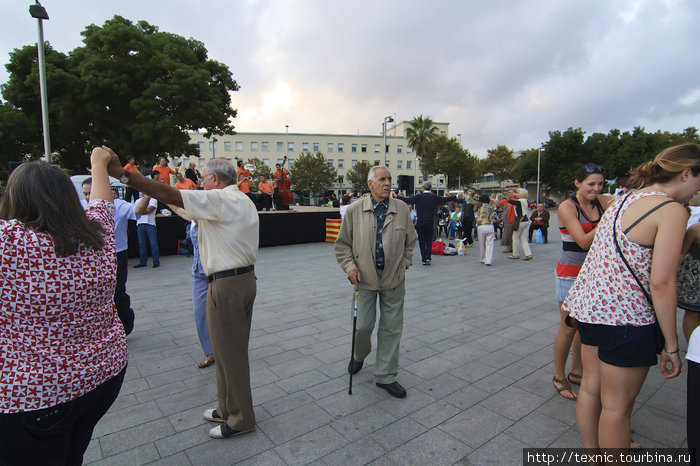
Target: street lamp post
{"points": [[213, 148], [459, 135], [39, 12], [387, 119], [286, 144], [539, 158]]}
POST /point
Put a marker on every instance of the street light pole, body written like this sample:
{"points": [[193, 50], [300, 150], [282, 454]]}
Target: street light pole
{"points": [[39, 12], [459, 135], [286, 144], [388, 119], [539, 157], [213, 148]]}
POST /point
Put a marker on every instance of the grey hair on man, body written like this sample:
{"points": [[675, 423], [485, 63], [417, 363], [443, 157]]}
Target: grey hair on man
{"points": [[371, 175], [223, 168]]}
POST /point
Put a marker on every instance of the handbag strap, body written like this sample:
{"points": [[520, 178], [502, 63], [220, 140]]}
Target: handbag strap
{"points": [[622, 256]]}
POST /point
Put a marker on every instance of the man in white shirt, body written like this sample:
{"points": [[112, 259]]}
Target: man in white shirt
{"points": [[228, 241], [146, 231]]}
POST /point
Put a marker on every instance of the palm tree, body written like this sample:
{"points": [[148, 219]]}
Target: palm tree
{"points": [[419, 135]]}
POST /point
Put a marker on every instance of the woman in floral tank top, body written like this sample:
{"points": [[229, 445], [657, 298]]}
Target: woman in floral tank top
{"points": [[635, 253]]}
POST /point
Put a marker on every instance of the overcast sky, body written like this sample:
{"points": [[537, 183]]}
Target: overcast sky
{"points": [[500, 72]]}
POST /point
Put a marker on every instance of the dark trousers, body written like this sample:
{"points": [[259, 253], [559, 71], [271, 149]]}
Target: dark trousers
{"points": [[264, 201], [693, 408], [424, 228], [121, 299], [467, 227], [543, 228], [130, 194], [58, 435]]}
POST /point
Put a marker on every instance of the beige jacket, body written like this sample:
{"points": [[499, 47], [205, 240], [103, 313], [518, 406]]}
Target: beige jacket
{"points": [[355, 246]]}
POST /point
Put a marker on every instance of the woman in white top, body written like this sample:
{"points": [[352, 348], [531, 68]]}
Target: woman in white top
{"points": [[626, 286]]}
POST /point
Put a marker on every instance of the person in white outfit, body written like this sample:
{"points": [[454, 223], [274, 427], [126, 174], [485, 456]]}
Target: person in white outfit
{"points": [[485, 230], [522, 211]]}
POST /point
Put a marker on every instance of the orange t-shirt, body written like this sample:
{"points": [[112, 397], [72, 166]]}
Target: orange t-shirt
{"points": [[186, 183], [130, 168], [265, 187], [163, 173], [244, 184]]}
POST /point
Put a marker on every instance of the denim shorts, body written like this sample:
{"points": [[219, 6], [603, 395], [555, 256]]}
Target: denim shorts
{"points": [[621, 345], [563, 286]]}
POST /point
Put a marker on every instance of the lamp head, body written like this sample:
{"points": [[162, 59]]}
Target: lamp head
{"points": [[37, 11]]}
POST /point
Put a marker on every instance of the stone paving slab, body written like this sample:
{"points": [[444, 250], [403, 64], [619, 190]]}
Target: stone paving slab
{"points": [[476, 359]]}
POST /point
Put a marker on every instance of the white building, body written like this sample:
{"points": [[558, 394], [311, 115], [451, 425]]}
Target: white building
{"points": [[343, 151]]}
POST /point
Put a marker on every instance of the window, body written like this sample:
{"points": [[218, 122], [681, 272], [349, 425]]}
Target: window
{"points": [[408, 149], [201, 146], [398, 164], [201, 162], [376, 162], [330, 163], [341, 163], [265, 147], [227, 146], [280, 147], [354, 148], [364, 147], [253, 146], [239, 146], [279, 161], [330, 147], [376, 148], [353, 163], [305, 146], [266, 162], [290, 147], [316, 147], [399, 149], [340, 180], [408, 164], [341, 147], [290, 163]]}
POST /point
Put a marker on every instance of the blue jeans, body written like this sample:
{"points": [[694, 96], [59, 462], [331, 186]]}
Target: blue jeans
{"points": [[200, 286], [147, 233]]}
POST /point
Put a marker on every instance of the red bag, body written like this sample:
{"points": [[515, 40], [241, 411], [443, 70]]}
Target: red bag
{"points": [[438, 248]]}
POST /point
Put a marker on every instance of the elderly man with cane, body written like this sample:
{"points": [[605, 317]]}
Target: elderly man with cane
{"points": [[228, 247], [374, 248]]}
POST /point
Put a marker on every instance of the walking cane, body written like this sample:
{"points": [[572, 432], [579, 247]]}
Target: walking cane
{"points": [[354, 328]]}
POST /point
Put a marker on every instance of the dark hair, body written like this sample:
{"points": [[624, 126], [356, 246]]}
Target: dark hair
{"points": [[87, 180], [240, 163], [345, 200], [43, 198], [484, 199], [587, 170], [666, 166]]}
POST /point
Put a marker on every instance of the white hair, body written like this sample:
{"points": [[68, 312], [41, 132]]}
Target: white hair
{"points": [[371, 174]]}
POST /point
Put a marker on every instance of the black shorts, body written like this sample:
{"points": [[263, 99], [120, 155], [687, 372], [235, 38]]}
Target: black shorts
{"points": [[622, 346]]}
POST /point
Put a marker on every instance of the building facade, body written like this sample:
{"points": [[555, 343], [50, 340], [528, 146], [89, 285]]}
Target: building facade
{"points": [[342, 151]]}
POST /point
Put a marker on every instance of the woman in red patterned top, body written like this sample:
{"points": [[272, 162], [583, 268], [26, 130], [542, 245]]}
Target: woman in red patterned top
{"points": [[63, 350]]}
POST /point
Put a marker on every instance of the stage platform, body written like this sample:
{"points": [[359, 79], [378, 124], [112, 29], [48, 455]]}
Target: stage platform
{"points": [[299, 224]]}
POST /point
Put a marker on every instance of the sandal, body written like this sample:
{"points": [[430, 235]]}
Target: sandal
{"points": [[565, 387], [206, 362], [574, 378]]}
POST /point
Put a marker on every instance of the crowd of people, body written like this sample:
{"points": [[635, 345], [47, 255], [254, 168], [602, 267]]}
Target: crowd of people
{"points": [[626, 264]]}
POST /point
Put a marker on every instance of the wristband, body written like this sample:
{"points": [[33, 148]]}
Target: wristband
{"points": [[672, 352]]}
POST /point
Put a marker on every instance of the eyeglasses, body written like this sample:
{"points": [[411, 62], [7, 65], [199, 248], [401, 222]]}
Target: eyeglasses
{"points": [[594, 168]]}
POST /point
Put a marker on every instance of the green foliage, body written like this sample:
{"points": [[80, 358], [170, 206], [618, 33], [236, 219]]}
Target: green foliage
{"points": [[452, 160], [129, 86], [525, 168], [419, 135], [16, 130], [357, 176], [500, 162], [312, 174], [260, 169]]}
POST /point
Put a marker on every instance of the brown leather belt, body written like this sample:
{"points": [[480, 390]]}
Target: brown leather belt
{"points": [[230, 273]]}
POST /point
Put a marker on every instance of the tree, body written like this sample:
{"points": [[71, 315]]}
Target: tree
{"points": [[357, 176], [563, 154], [129, 86], [420, 133], [16, 134], [311, 173], [525, 168], [452, 160], [500, 162]]}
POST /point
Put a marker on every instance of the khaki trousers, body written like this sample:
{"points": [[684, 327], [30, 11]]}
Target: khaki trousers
{"points": [[388, 333], [229, 315]]}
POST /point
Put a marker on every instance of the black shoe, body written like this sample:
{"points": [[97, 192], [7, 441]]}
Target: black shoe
{"points": [[427, 262], [395, 389], [355, 366], [155, 266], [138, 266]]}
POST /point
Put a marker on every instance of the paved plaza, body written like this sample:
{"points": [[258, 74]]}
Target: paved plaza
{"points": [[476, 360]]}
